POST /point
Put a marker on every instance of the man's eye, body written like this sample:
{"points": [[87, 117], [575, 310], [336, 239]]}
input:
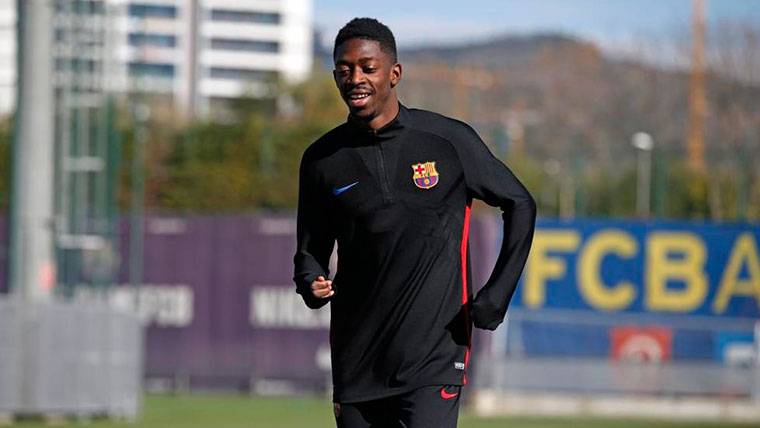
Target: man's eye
{"points": [[342, 71], [369, 69]]}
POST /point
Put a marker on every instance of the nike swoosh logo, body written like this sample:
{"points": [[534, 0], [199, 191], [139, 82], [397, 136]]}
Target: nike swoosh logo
{"points": [[338, 190], [447, 395]]}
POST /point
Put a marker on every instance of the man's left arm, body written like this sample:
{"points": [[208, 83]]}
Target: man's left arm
{"points": [[488, 179]]}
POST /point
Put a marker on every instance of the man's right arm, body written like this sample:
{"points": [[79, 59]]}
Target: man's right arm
{"points": [[315, 240]]}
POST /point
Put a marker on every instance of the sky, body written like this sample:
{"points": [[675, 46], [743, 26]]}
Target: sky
{"points": [[612, 24]]}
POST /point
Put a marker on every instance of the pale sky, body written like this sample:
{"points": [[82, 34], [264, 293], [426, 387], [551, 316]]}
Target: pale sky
{"points": [[610, 23]]}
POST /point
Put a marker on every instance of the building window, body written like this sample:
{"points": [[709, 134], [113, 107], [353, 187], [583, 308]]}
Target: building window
{"points": [[245, 16], [82, 7], [76, 65], [244, 45], [152, 10], [145, 69], [241, 74], [152, 39]]}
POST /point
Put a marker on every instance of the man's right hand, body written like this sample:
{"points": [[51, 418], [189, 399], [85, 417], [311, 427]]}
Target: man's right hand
{"points": [[322, 288]]}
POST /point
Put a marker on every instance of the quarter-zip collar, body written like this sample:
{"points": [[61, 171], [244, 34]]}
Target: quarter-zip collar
{"points": [[390, 130]]}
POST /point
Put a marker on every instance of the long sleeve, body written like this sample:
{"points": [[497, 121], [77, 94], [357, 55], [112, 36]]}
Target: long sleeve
{"points": [[490, 180], [315, 239]]}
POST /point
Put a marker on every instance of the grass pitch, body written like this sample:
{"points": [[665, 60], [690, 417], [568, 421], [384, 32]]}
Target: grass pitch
{"points": [[228, 411]]}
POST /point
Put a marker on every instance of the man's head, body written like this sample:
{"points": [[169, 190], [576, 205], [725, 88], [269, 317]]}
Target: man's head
{"points": [[367, 29], [366, 70]]}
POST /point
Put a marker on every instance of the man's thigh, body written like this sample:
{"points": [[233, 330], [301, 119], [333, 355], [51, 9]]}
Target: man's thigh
{"points": [[430, 406]]}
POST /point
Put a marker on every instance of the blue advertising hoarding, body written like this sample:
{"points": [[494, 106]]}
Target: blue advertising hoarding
{"points": [[653, 267]]}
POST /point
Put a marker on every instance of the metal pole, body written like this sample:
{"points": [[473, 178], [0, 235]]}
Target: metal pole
{"points": [[141, 115], [646, 173], [32, 262], [643, 142], [659, 183]]}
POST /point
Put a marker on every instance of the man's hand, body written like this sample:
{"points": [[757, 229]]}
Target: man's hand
{"points": [[322, 288]]}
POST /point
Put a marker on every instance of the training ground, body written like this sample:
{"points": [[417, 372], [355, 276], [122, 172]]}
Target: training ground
{"points": [[233, 411]]}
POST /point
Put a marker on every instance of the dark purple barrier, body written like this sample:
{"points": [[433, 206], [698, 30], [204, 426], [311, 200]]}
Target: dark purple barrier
{"points": [[230, 264]]}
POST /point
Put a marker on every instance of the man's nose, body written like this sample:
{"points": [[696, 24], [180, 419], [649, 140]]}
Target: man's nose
{"points": [[355, 76]]}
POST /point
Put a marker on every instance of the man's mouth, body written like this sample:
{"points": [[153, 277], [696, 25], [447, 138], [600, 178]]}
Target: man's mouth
{"points": [[358, 99]]}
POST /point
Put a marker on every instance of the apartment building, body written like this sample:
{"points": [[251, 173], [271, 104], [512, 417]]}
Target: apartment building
{"points": [[192, 51], [7, 55]]}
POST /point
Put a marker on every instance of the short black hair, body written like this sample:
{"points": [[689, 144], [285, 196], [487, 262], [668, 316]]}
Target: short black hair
{"points": [[369, 29]]}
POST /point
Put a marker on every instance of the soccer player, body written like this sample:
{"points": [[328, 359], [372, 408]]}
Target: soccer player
{"points": [[393, 186]]}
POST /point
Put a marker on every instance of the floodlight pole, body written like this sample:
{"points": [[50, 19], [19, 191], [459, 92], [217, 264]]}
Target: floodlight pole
{"points": [[644, 143], [32, 256]]}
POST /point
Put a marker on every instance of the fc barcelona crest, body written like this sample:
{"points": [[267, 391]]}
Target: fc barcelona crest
{"points": [[425, 176]]}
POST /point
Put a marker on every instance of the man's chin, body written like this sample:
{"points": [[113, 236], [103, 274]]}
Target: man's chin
{"points": [[363, 113]]}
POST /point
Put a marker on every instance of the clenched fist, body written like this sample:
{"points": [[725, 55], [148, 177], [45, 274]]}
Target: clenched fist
{"points": [[322, 288]]}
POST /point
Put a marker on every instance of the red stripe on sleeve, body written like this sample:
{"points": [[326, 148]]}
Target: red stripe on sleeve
{"points": [[463, 252]]}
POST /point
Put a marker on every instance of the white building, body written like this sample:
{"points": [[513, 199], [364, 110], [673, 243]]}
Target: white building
{"points": [[7, 56], [196, 51]]}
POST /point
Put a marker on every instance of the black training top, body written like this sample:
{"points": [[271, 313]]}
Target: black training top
{"points": [[397, 201]]}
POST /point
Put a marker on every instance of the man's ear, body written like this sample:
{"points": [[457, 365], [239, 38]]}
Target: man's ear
{"points": [[395, 75]]}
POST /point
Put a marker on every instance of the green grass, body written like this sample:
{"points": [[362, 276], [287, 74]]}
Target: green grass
{"points": [[225, 411]]}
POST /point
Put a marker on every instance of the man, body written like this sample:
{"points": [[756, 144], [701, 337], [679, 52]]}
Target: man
{"points": [[393, 186]]}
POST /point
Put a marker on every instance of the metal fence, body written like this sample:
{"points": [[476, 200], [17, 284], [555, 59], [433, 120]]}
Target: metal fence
{"points": [[69, 358], [577, 358]]}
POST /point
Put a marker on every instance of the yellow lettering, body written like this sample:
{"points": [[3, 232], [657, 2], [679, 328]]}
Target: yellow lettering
{"points": [[744, 252], [542, 267], [688, 267], [590, 283]]}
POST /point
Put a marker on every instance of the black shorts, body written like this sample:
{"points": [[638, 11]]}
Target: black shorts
{"points": [[429, 406]]}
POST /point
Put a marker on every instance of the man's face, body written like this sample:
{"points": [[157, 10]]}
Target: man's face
{"points": [[365, 76]]}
